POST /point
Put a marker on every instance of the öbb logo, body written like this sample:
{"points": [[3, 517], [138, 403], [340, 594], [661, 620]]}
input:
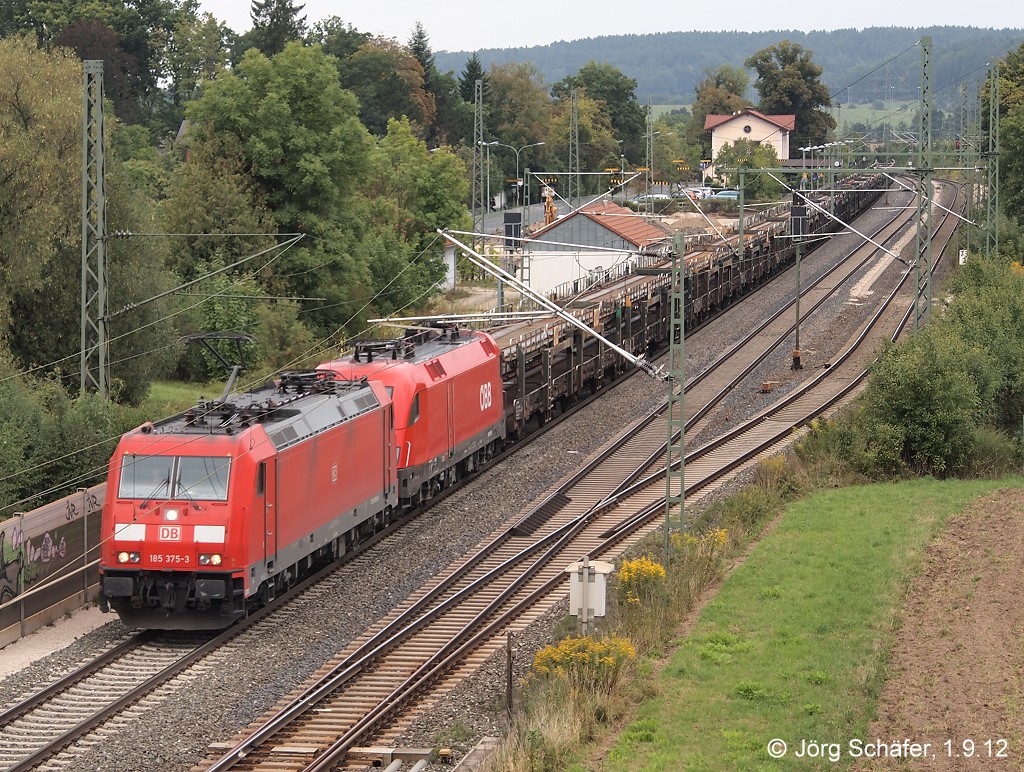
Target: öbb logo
{"points": [[170, 533]]}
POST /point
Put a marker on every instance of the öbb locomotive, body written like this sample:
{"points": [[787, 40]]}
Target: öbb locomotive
{"points": [[220, 508]]}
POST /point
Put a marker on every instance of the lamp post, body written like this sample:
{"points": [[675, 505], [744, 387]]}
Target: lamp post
{"points": [[517, 151], [487, 164], [519, 189], [487, 208]]}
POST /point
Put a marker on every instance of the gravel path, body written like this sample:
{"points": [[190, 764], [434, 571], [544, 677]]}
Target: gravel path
{"points": [[175, 729]]}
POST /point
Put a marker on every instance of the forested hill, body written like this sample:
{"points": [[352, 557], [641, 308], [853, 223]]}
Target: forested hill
{"points": [[667, 66]]}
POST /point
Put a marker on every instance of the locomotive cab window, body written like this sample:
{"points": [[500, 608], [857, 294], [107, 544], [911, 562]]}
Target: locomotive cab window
{"points": [[202, 478], [414, 411]]}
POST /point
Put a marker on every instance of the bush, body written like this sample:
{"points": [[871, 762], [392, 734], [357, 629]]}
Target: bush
{"points": [[994, 454], [830, 452], [924, 400], [585, 663]]}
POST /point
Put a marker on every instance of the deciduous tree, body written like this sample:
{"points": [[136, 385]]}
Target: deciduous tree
{"points": [[617, 92], [304, 148], [722, 92], [389, 82], [40, 217], [750, 155], [790, 84], [410, 193]]}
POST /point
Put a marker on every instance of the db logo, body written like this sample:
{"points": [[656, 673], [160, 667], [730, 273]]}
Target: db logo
{"points": [[170, 533], [485, 396]]}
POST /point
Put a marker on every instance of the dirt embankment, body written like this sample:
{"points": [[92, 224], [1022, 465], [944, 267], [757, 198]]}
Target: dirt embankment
{"points": [[957, 672]]}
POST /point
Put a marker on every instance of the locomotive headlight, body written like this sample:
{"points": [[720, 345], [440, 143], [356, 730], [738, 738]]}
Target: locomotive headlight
{"points": [[170, 514], [128, 557], [209, 559]]}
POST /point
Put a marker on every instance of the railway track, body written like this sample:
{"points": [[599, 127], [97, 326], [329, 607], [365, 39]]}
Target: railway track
{"points": [[36, 727], [423, 648], [599, 534], [78, 706]]}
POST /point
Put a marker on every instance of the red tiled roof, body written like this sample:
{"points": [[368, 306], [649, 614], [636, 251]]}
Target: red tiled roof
{"points": [[787, 122], [620, 220]]}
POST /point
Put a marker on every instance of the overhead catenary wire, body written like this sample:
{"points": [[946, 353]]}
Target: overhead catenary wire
{"points": [[139, 328]]}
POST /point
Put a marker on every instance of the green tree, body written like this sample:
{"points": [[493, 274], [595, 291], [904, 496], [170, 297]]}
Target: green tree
{"points": [[419, 46], [222, 207], [298, 131], [617, 94], [301, 143], [721, 92], [750, 155], [143, 27], [196, 54], [1011, 132], [40, 200], [450, 120], [388, 81], [1011, 163], [12, 16], [337, 38], [473, 72], [275, 23], [410, 193], [925, 400], [597, 141], [518, 110], [40, 184], [988, 313], [790, 84]]}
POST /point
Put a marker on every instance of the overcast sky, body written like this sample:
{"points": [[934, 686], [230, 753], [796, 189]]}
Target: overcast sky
{"points": [[459, 25]]}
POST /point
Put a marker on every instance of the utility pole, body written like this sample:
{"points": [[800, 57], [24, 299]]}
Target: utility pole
{"points": [[797, 227], [992, 165], [649, 174], [675, 479], [479, 205], [924, 163], [95, 366]]}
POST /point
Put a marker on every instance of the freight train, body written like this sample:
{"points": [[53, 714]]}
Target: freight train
{"points": [[217, 510]]}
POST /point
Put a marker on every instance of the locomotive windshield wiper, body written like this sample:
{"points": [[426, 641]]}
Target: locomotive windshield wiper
{"points": [[160, 486], [188, 495]]}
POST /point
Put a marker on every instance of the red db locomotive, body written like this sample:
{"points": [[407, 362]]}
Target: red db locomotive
{"points": [[218, 509]]}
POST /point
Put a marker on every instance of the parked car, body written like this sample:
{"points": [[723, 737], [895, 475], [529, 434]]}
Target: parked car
{"points": [[696, 192], [726, 195], [655, 198]]}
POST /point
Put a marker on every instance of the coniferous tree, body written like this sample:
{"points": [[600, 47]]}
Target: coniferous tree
{"points": [[419, 46], [467, 81], [275, 23], [447, 121]]}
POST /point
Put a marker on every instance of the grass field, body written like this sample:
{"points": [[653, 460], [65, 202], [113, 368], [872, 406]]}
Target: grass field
{"points": [[169, 397], [794, 645], [872, 117]]}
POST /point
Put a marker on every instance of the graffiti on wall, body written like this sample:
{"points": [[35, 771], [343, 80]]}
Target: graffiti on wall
{"points": [[12, 562], [46, 541]]}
